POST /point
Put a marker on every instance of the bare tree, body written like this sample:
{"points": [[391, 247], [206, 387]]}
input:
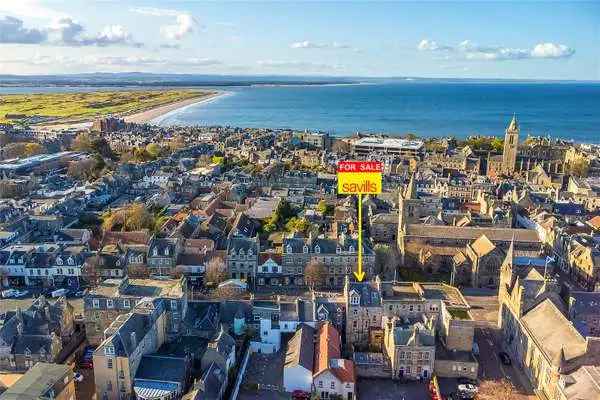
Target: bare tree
{"points": [[385, 259], [216, 271], [315, 274]]}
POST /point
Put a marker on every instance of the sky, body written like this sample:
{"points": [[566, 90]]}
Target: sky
{"points": [[512, 40]]}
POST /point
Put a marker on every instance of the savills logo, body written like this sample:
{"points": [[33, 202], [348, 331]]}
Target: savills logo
{"points": [[364, 187]]}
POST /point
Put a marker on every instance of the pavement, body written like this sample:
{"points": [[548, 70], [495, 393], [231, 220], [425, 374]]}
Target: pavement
{"points": [[266, 371], [387, 389], [496, 380]]}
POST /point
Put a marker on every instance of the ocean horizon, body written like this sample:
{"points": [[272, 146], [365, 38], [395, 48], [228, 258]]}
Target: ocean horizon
{"points": [[424, 107]]}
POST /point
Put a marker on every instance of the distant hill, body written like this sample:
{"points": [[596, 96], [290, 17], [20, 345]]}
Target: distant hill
{"points": [[151, 79]]}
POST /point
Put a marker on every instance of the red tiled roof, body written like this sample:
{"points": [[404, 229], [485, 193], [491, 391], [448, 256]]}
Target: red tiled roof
{"points": [[328, 348], [114, 237], [595, 222]]}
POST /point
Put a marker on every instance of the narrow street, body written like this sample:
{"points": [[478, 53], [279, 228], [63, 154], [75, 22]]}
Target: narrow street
{"points": [[496, 380]]}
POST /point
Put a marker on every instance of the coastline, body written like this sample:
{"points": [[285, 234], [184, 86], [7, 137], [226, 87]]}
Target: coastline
{"points": [[139, 117], [160, 116], [162, 111]]}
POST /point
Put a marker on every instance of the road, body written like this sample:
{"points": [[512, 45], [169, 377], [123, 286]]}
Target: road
{"points": [[496, 380]]}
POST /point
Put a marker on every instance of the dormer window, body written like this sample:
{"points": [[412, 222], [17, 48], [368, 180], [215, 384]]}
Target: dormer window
{"points": [[355, 300], [70, 260], [351, 249], [20, 260], [305, 249], [232, 252], [155, 251], [59, 261], [242, 252], [317, 249], [288, 249], [166, 251], [338, 250], [109, 350]]}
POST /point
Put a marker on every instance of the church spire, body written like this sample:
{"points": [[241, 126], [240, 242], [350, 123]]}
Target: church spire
{"points": [[514, 125]]}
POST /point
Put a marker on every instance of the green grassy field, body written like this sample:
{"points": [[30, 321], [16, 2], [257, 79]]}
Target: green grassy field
{"points": [[80, 106]]}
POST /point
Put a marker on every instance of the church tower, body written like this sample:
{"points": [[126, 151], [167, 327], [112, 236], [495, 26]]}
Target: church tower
{"points": [[511, 142]]}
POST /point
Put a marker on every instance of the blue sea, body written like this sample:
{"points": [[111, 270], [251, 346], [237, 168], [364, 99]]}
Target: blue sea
{"points": [[566, 110], [423, 107]]}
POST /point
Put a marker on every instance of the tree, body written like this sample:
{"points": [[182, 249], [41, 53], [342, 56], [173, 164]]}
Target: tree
{"points": [[324, 208], [315, 274], [296, 224], [82, 142], [138, 218], [497, 144], [32, 149], [579, 168], [83, 169], [153, 150], [216, 271], [385, 260]]}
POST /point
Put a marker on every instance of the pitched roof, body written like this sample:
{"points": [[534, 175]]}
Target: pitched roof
{"points": [[553, 331], [482, 246], [301, 348], [328, 347]]}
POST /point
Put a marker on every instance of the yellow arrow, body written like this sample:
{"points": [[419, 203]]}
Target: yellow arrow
{"points": [[360, 275]]}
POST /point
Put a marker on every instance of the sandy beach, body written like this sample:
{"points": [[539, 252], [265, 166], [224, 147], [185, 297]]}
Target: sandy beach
{"points": [[137, 117], [156, 112]]}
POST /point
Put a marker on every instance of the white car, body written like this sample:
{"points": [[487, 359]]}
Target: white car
{"points": [[21, 293], [9, 293], [467, 388], [78, 377]]}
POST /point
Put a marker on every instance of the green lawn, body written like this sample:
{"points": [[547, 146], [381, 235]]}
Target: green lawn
{"points": [[80, 106]]}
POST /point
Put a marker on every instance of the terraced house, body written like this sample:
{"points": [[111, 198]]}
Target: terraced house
{"points": [[115, 297], [36, 334], [339, 256]]}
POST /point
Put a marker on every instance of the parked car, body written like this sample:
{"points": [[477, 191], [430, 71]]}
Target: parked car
{"points": [[87, 359], [465, 381], [22, 293], [300, 395], [504, 358], [8, 293], [78, 377], [59, 292]]}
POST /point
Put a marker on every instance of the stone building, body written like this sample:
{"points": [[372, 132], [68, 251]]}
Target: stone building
{"points": [[242, 257], [339, 256], [478, 265], [127, 340], [536, 332], [37, 334], [114, 297], [410, 346]]}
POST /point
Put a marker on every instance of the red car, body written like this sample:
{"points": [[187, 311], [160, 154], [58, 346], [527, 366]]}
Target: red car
{"points": [[300, 395]]}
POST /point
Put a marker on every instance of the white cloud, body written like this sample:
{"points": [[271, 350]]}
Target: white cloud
{"points": [[306, 44], [472, 51], [13, 31], [112, 62], [68, 32], [185, 24], [431, 45], [63, 31], [29, 9], [552, 50]]}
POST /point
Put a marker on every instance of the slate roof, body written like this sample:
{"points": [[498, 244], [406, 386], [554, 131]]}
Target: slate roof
{"points": [[369, 295], [301, 348], [553, 332], [37, 381], [162, 368]]}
